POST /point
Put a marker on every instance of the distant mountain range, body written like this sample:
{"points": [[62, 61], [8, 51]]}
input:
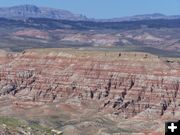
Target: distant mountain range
{"points": [[32, 11], [27, 26], [142, 17]]}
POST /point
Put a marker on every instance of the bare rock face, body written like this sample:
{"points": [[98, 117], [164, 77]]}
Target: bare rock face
{"points": [[118, 85]]}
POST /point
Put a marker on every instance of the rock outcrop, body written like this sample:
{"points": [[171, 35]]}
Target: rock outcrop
{"points": [[124, 85]]}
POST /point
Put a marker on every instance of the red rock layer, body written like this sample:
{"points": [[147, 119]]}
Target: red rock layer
{"points": [[123, 84]]}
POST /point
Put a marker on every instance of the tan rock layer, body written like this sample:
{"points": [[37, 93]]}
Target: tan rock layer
{"points": [[124, 84]]}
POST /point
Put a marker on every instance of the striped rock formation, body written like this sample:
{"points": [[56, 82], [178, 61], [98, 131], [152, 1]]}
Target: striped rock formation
{"points": [[118, 85]]}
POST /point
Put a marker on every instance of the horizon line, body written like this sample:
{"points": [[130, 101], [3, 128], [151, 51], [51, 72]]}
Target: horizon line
{"points": [[119, 17]]}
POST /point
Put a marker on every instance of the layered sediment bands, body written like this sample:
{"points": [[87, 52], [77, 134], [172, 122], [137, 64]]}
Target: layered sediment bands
{"points": [[127, 85]]}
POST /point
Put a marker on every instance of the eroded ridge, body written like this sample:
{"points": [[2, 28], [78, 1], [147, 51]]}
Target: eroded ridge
{"points": [[122, 84]]}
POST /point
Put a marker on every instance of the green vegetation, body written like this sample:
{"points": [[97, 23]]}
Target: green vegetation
{"points": [[120, 130], [16, 125], [10, 122]]}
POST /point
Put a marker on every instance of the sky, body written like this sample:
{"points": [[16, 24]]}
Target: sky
{"points": [[105, 8]]}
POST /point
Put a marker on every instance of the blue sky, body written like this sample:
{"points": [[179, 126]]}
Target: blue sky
{"points": [[106, 8]]}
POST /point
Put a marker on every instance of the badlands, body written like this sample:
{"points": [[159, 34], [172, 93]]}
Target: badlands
{"points": [[87, 92]]}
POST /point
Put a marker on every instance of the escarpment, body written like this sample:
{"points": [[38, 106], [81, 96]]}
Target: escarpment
{"points": [[123, 84]]}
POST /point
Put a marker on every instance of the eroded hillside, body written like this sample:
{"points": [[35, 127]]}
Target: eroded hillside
{"points": [[159, 36], [90, 92]]}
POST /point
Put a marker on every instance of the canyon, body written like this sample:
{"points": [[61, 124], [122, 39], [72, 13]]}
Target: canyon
{"points": [[90, 92]]}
